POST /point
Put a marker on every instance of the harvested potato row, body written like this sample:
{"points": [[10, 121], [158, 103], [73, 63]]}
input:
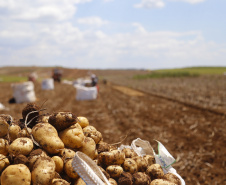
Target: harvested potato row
{"points": [[40, 152]]}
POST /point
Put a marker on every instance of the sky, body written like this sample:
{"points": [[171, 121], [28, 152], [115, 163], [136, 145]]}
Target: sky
{"points": [[105, 34]]}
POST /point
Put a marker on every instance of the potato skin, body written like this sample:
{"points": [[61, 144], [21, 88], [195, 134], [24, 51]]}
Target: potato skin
{"points": [[161, 182], [155, 171], [88, 147], [18, 174], [14, 131], [3, 126], [79, 182], [59, 163], [4, 144], [129, 153], [46, 136], [130, 165], [172, 178], [56, 181], [4, 162], [114, 171], [141, 178], [83, 121], [114, 157], [91, 131], [141, 163], [68, 169], [66, 154], [34, 155], [22, 146], [43, 171]]}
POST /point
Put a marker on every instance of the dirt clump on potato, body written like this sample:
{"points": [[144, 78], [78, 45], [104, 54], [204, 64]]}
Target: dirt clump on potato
{"points": [[30, 107]]}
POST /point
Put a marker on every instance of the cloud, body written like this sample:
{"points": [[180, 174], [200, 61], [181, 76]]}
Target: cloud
{"points": [[94, 21], [150, 4], [190, 1]]}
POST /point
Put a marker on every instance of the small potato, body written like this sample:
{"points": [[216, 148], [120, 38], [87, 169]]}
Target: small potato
{"points": [[59, 163], [4, 162], [112, 181], [155, 171], [68, 169], [83, 121], [14, 131], [44, 118], [22, 146], [34, 155], [24, 132], [114, 171], [141, 163], [102, 147], [141, 178], [62, 120], [114, 157], [67, 154], [4, 144], [88, 147], [43, 171], [47, 137], [73, 136], [79, 182], [125, 179], [56, 181], [21, 159], [149, 159], [161, 182], [17, 174], [172, 178], [129, 153], [91, 131], [130, 165], [4, 126]]}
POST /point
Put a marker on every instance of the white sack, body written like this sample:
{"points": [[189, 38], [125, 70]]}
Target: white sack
{"points": [[24, 92], [48, 84], [85, 93]]}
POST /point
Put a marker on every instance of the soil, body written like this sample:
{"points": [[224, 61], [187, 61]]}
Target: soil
{"points": [[195, 137]]}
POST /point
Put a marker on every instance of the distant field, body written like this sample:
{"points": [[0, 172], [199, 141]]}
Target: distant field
{"points": [[9, 78]]}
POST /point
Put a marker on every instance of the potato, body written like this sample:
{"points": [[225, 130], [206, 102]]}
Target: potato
{"points": [[24, 132], [125, 179], [56, 181], [43, 171], [141, 178], [59, 163], [79, 182], [161, 182], [149, 159], [22, 146], [114, 157], [83, 121], [21, 159], [30, 107], [14, 131], [129, 153], [130, 165], [67, 154], [3, 126], [88, 147], [114, 171], [73, 136], [4, 144], [47, 137], [62, 120], [90, 131], [104, 172], [44, 118], [68, 169], [155, 171], [112, 181], [172, 178], [141, 163], [34, 155], [102, 147], [17, 174], [4, 162]]}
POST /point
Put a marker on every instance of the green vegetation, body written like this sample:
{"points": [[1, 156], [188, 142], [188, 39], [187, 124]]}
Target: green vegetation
{"points": [[9, 78], [182, 72]]}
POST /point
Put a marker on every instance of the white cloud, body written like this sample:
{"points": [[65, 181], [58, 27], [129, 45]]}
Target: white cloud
{"points": [[150, 4], [190, 1], [95, 21]]}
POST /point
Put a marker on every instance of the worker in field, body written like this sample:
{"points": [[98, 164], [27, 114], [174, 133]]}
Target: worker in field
{"points": [[94, 81], [57, 75]]}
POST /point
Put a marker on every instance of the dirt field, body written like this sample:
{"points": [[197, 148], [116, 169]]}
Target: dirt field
{"points": [[195, 137]]}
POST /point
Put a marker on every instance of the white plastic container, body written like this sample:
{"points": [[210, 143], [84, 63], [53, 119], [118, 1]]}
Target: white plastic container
{"points": [[85, 93], [48, 84], [24, 92]]}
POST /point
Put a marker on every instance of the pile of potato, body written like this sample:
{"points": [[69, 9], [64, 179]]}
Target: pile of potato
{"points": [[39, 148]]}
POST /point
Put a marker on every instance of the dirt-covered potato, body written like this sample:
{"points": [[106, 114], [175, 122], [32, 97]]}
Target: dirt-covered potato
{"points": [[17, 174], [57, 181], [172, 178], [141, 178], [33, 116], [114, 171], [149, 159], [155, 171], [66, 154], [47, 137], [88, 147], [115, 157], [68, 169], [22, 146], [24, 132], [4, 126], [141, 163], [4, 162], [130, 166], [14, 130], [83, 121], [79, 182], [112, 181], [43, 171], [102, 147], [4, 144], [21, 159], [161, 182], [44, 118], [104, 172], [91, 131], [34, 155], [59, 163], [62, 120], [129, 153], [125, 179]]}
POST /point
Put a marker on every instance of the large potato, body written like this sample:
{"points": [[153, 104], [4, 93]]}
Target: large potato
{"points": [[17, 174], [114, 157], [130, 165], [141, 163], [4, 144], [4, 162], [155, 171], [73, 136], [43, 171], [129, 153], [88, 147], [22, 146], [47, 137]]}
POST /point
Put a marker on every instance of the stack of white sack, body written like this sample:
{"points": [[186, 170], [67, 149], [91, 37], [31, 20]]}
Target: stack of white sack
{"points": [[85, 93], [48, 84]]}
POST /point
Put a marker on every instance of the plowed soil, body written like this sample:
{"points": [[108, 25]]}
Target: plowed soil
{"points": [[195, 137]]}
